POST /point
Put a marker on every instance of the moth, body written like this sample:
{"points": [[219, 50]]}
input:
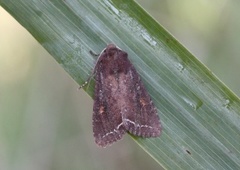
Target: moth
{"points": [[121, 102]]}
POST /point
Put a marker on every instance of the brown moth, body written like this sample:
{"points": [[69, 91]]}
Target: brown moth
{"points": [[121, 102]]}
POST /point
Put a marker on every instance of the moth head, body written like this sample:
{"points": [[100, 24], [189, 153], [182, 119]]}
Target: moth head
{"points": [[111, 51]]}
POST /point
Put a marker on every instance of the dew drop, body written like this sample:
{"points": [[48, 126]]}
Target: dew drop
{"points": [[180, 67], [194, 103], [226, 104]]}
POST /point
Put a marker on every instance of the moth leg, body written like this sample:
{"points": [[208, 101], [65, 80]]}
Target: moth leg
{"points": [[93, 54]]}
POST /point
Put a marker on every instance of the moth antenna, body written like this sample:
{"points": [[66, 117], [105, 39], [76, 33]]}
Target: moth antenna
{"points": [[92, 74], [87, 82], [84, 84]]}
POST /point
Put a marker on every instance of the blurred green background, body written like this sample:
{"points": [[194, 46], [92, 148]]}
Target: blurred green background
{"points": [[45, 122]]}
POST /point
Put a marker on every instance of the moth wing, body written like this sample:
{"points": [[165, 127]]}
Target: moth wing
{"points": [[107, 119], [121, 101], [140, 118]]}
